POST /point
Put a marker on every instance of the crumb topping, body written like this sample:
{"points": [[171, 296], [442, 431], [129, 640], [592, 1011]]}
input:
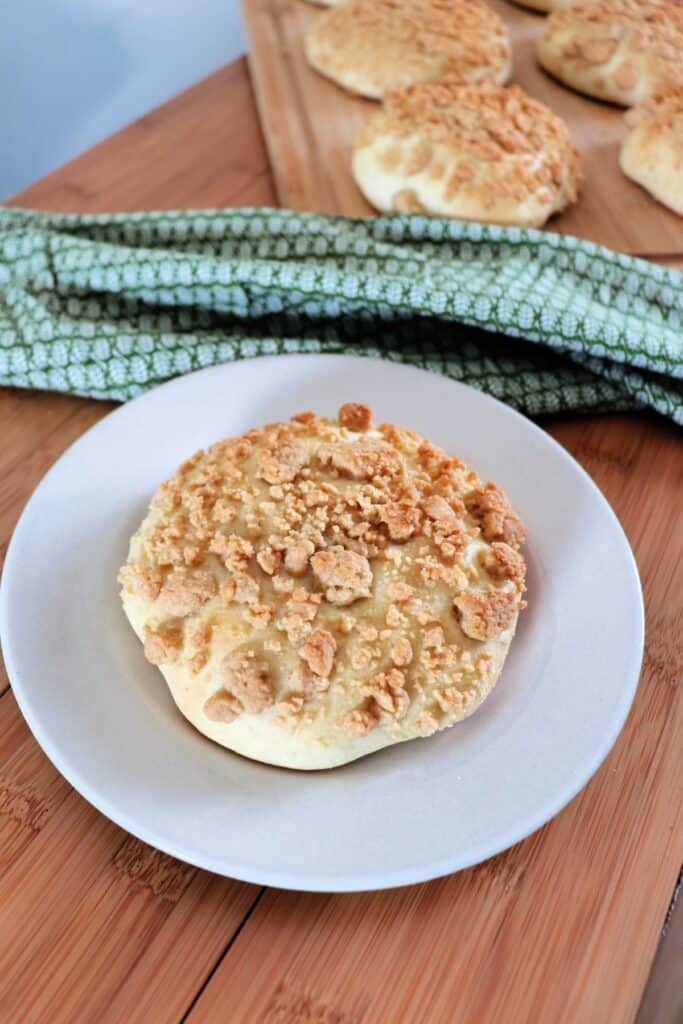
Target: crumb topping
{"points": [[345, 575], [185, 591], [393, 42], [659, 117], [247, 678], [222, 707], [486, 613], [318, 652], [324, 564], [504, 563], [163, 644], [490, 506], [145, 581], [402, 652], [283, 462], [355, 416]]}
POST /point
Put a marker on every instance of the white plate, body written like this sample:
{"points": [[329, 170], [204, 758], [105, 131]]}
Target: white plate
{"points": [[412, 812]]}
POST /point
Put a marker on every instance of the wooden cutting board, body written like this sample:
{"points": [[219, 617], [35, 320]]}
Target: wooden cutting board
{"points": [[310, 123]]}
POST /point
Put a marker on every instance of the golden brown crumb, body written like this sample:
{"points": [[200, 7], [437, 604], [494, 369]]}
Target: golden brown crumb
{"points": [[163, 644], [186, 590], [318, 652], [486, 613], [297, 554], [394, 616], [297, 616], [401, 591], [283, 462], [235, 551], [240, 588], [361, 460], [355, 416], [360, 721], [145, 581], [402, 652], [503, 563], [402, 519], [222, 707], [433, 637], [247, 677], [388, 692], [491, 508], [269, 560], [291, 704], [438, 509], [345, 575], [450, 698]]}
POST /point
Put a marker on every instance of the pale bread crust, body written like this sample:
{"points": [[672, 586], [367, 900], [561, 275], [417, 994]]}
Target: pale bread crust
{"points": [[372, 46], [545, 6], [652, 148], [266, 650], [475, 152], [621, 51]]}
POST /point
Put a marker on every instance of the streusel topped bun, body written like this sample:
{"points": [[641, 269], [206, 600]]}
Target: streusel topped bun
{"points": [[616, 50], [315, 590], [477, 152], [652, 148], [372, 46]]}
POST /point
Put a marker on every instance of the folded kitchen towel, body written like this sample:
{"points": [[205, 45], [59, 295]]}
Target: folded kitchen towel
{"points": [[111, 305]]}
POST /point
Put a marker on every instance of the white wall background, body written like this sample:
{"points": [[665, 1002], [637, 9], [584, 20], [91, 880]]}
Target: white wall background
{"points": [[73, 71]]}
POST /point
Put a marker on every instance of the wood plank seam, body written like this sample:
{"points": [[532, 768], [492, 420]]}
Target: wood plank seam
{"points": [[219, 960]]}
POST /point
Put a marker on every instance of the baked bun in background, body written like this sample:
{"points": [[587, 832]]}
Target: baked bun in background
{"points": [[616, 50], [477, 152], [652, 147], [372, 46], [315, 590]]}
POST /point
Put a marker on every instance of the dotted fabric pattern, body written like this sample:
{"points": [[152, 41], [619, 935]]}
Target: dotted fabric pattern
{"points": [[111, 305]]}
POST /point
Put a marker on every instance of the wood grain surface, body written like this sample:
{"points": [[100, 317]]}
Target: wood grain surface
{"points": [[96, 926], [310, 125], [663, 999]]}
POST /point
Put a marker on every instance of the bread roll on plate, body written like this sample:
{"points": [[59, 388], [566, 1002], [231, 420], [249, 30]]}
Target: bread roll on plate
{"points": [[316, 590]]}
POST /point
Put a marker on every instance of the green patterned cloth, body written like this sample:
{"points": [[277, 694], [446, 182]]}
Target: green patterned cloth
{"points": [[111, 305]]}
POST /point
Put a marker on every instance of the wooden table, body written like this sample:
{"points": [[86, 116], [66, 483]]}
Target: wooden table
{"points": [[96, 926]]}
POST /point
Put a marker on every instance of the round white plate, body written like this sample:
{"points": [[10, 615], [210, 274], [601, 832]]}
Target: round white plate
{"points": [[412, 812]]}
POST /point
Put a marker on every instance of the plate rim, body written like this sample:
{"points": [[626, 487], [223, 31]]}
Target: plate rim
{"points": [[358, 882]]}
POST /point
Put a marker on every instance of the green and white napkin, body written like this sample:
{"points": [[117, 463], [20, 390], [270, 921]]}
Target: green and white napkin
{"points": [[111, 305]]}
